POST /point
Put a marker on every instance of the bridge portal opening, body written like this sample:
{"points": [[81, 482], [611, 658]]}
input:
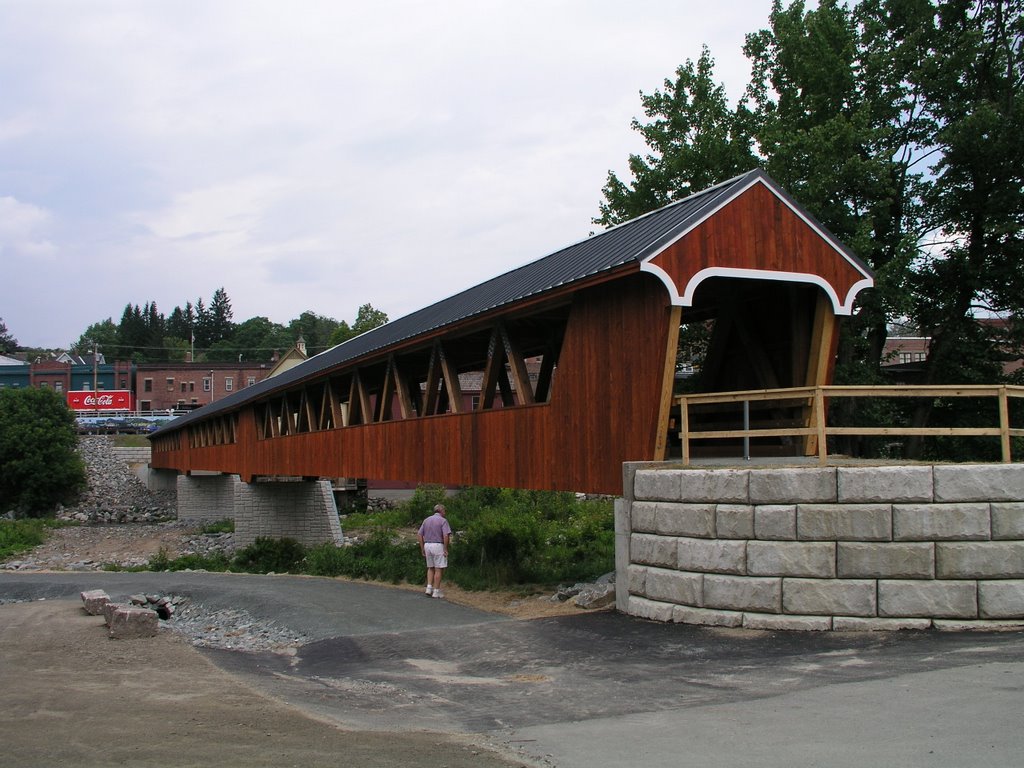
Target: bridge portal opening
{"points": [[748, 334]]}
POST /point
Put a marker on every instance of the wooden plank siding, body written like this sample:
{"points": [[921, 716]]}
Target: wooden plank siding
{"points": [[603, 411], [758, 231]]}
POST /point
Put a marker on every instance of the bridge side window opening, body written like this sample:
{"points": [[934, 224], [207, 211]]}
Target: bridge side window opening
{"points": [[502, 364], [170, 384]]}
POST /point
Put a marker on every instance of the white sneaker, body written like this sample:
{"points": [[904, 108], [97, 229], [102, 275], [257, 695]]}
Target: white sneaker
{"points": [[438, 594], [429, 590]]}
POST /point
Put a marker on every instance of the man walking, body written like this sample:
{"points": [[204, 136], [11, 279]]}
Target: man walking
{"points": [[434, 535]]}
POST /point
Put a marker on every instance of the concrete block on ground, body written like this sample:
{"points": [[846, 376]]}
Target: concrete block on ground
{"points": [[643, 608], [775, 522], [656, 484], [884, 560], [93, 601], [792, 558], [1001, 599], [1008, 520], [687, 614], [716, 486], [793, 484], [980, 560], [844, 522], [734, 521], [685, 520], [129, 623], [877, 624], [649, 549], [858, 485], [798, 623], [936, 599], [829, 597], [712, 555], [742, 593], [941, 522], [979, 482], [674, 586]]}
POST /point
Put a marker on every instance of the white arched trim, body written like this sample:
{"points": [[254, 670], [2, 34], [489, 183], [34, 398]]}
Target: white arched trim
{"points": [[843, 307]]}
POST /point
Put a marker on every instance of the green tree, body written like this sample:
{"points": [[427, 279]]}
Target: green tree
{"points": [[696, 140], [181, 322], [254, 339], [973, 78], [316, 329], [102, 334], [132, 335], [220, 317], [839, 122], [367, 318], [8, 343], [39, 467]]}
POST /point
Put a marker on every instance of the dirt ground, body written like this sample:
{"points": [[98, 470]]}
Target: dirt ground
{"points": [[115, 543], [70, 696]]}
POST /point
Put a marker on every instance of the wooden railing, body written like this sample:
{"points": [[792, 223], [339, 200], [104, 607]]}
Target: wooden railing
{"points": [[815, 430]]}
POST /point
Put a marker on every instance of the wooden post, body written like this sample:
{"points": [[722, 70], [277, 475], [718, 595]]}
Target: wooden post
{"points": [[667, 381], [819, 423], [1004, 424], [819, 365]]}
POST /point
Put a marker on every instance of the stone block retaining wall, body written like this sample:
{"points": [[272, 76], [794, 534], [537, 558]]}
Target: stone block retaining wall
{"points": [[844, 548]]}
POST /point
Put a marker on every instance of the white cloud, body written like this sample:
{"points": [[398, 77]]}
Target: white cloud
{"points": [[21, 226]]}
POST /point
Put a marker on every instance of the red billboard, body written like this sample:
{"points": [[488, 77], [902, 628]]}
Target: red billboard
{"points": [[104, 400]]}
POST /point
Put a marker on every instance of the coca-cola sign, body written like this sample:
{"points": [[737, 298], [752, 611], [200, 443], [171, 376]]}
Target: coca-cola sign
{"points": [[109, 400]]}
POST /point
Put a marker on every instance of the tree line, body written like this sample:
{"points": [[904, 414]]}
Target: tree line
{"points": [[896, 123], [208, 331]]}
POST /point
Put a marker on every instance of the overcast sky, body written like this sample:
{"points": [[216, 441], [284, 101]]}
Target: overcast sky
{"points": [[315, 155]]}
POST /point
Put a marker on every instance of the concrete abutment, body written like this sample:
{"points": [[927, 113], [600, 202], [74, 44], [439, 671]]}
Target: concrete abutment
{"points": [[818, 548]]}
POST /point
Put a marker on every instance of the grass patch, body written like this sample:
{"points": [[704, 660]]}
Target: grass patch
{"points": [[131, 441], [17, 536]]}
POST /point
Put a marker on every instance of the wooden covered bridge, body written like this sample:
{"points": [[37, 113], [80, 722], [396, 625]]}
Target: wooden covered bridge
{"points": [[576, 354]]}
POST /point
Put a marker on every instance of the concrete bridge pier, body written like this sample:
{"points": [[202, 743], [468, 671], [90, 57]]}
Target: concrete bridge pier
{"points": [[277, 508], [303, 510]]}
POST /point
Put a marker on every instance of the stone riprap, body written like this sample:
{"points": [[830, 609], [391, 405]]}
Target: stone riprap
{"points": [[115, 494], [815, 548]]}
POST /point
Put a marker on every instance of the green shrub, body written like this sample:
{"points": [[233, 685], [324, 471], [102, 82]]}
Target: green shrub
{"points": [[381, 557], [270, 555], [218, 562], [39, 467]]}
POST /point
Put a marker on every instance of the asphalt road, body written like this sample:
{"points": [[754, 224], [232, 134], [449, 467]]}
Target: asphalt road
{"points": [[604, 689]]}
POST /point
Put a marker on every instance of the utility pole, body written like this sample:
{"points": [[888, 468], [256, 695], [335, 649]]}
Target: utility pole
{"points": [[95, 377]]}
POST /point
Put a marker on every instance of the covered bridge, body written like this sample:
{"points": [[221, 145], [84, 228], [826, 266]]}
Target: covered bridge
{"points": [[576, 354]]}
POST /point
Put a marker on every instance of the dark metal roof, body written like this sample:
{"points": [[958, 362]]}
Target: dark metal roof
{"points": [[629, 242]]}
